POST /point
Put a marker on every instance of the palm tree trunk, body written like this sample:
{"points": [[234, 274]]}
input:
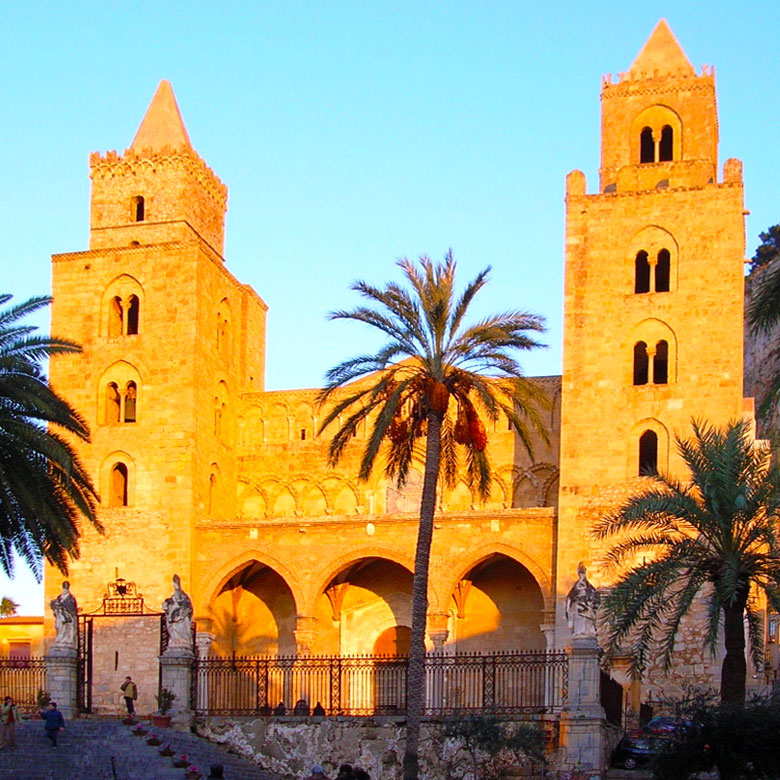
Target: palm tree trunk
{"points": [[733, 673], [415, 679]]}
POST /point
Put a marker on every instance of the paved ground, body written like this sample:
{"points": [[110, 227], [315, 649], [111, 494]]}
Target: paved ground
{"points": [[87, 746]]}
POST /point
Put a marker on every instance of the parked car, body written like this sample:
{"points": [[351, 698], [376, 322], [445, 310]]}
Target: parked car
{"points": [[632, 752], [666, 726]]}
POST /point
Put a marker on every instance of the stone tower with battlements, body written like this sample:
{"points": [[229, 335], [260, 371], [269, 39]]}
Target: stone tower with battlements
{"points": [[169, 340], [654, 290]]}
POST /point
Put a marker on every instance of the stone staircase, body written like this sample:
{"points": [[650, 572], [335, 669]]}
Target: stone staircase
{"points": [[86, 748]]}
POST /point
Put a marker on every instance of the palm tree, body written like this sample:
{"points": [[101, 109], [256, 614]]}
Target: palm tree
{"points": [[763, 316], [407, 402], [713, 537], [44, 489]]}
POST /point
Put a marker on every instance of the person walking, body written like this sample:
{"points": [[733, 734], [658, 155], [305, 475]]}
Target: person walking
{"points": [[53, 723], [130, 692], [9, 717]]}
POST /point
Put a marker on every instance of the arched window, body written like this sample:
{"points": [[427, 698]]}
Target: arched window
{"points": [[113, 403], [661, 363], [131, 399], [118, 488], [640, 363], [138, 208], [666, 146], [642, 273], [646, 146], [123, 316], [115, 316], [663, 271], [648, 453], [133, 306]]}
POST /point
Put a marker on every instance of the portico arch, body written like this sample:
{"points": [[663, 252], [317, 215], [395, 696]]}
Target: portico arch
{"points": [[498, 605], [253, 606], [361, 601], [496, 547]]}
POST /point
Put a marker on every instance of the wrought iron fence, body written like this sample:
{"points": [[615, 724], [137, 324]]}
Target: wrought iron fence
{"points": [[22, 678], [502, 683]]}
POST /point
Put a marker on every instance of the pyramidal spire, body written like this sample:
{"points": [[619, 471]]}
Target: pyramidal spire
{"points": [[162, 124], [661, 52]]}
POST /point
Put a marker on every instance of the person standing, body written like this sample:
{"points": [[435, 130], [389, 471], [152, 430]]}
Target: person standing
{"points": [[130, 692], [53, 723], [9, 717]]}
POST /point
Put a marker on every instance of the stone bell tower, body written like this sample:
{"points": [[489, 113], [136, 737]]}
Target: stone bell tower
{"points": [[170, 338], [654, 291]]}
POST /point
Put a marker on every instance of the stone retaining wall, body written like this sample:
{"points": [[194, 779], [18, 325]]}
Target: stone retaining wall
{"points": [[289, 747]]}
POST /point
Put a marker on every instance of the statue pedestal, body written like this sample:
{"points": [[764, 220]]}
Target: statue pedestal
{"points": [[176, 674], [62, 665], [582, 720]]}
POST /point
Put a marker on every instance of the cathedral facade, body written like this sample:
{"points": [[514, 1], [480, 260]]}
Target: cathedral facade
{"points": [[203, 472]]}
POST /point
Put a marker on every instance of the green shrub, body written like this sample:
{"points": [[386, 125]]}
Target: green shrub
{"points": [[742, 743]]}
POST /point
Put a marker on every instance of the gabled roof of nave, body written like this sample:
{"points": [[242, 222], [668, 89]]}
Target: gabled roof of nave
{"points": [[661, 52], [162, 124]]}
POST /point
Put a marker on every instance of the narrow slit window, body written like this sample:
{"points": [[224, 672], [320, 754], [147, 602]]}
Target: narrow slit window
{"points": [[132, 315], [663, 271], [641, 365], [113, 403], [641, 273], [666, 146], [648, 453], [212, 492], [661, 363], [118, 491], [131, 399], [138, 208], [646, 146], [218, 410]]}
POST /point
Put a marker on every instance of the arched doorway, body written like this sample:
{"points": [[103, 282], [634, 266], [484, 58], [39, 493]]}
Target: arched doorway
{"points": [[254, 614], [366, 599], [498, 606], [364, 612], [393, 641]]}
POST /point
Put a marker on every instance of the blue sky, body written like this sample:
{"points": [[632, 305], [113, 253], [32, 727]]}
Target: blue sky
{"points": [[353, 133]]}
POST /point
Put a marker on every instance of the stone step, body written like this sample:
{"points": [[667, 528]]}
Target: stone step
{"points": [[86, 749]]}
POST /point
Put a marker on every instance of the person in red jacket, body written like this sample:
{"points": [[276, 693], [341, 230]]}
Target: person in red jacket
{"points": [[9, 717]]}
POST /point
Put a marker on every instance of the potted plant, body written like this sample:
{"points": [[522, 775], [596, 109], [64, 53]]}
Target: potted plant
{"points": [[192, 773], [153, 740], [181, 762], [166, 750], [165, 699], [139, 731], [42, 699]]}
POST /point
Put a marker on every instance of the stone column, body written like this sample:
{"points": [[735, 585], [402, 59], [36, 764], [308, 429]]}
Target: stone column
{"points": [[582, 720], [176, 667], [62, 679], [203, 641], [305, 629], [436, 673], [438, 630]]}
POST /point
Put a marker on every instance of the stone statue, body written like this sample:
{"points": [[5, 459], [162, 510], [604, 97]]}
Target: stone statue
{"points": [[582, 605], [178, 617], [65, 618]]}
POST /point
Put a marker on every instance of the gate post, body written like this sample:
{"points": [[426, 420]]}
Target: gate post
{"points": [[582, 719], [176, 675], [62, 679]]}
